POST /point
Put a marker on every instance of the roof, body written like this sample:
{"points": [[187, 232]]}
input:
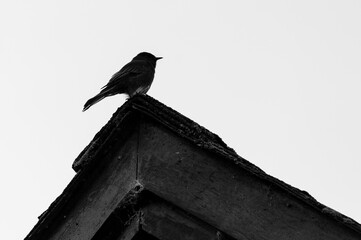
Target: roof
{"points": [[187, 129], [203, 138]]}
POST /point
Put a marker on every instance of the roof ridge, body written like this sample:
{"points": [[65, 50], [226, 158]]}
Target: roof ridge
{"points": [[203, 138]]}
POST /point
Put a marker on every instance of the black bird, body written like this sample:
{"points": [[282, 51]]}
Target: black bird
{"points": [[135, 77]]}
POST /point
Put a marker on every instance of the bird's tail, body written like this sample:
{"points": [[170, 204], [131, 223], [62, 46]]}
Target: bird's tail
{"points": [[94, 100]]}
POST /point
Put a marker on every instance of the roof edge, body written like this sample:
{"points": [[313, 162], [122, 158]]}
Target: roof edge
{"points": [[201, 137]]}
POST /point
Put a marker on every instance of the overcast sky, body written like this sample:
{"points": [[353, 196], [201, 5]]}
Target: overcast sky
{"points": [[279, 81]]}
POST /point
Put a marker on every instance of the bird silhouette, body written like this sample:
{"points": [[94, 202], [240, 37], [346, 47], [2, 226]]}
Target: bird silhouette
{"points": [[135, 77]]}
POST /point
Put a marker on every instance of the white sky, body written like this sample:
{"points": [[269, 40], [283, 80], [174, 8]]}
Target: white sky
{"points": [[279, 81]]}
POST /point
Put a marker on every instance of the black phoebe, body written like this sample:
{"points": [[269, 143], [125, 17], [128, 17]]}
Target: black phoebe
{"points": [[135, 77]]}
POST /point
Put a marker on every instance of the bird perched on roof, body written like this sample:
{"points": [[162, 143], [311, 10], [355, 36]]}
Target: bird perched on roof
{"points": [[135, 77]]}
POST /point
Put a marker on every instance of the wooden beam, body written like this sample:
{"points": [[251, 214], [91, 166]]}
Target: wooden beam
{"points": [[112, 179], [131, 230], [167, 222], [224, 195], [124, 220]]}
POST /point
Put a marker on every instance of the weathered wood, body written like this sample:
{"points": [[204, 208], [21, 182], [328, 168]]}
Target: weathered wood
{"points": [[223, 194], [101, 195], [131, 230], [202, 188], [165, 222], [125, 214]]}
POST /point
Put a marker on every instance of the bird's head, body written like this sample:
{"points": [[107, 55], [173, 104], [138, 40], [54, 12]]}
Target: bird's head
{"points": [[148, 57]]}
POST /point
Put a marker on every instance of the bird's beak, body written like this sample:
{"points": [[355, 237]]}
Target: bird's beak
{"points": [[157, 58]]}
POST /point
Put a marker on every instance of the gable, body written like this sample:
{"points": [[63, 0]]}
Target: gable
{"points": [[184, 170]]}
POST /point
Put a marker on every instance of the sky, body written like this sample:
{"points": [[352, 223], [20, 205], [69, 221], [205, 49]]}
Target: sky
{"points": [[278, 81]]}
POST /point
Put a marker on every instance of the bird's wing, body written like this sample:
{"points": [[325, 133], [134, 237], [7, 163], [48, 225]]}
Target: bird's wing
{"points": [[131, 69]]}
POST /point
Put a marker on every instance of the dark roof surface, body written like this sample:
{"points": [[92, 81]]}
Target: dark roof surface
{"points": [[203, 138], [185, 128]]}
